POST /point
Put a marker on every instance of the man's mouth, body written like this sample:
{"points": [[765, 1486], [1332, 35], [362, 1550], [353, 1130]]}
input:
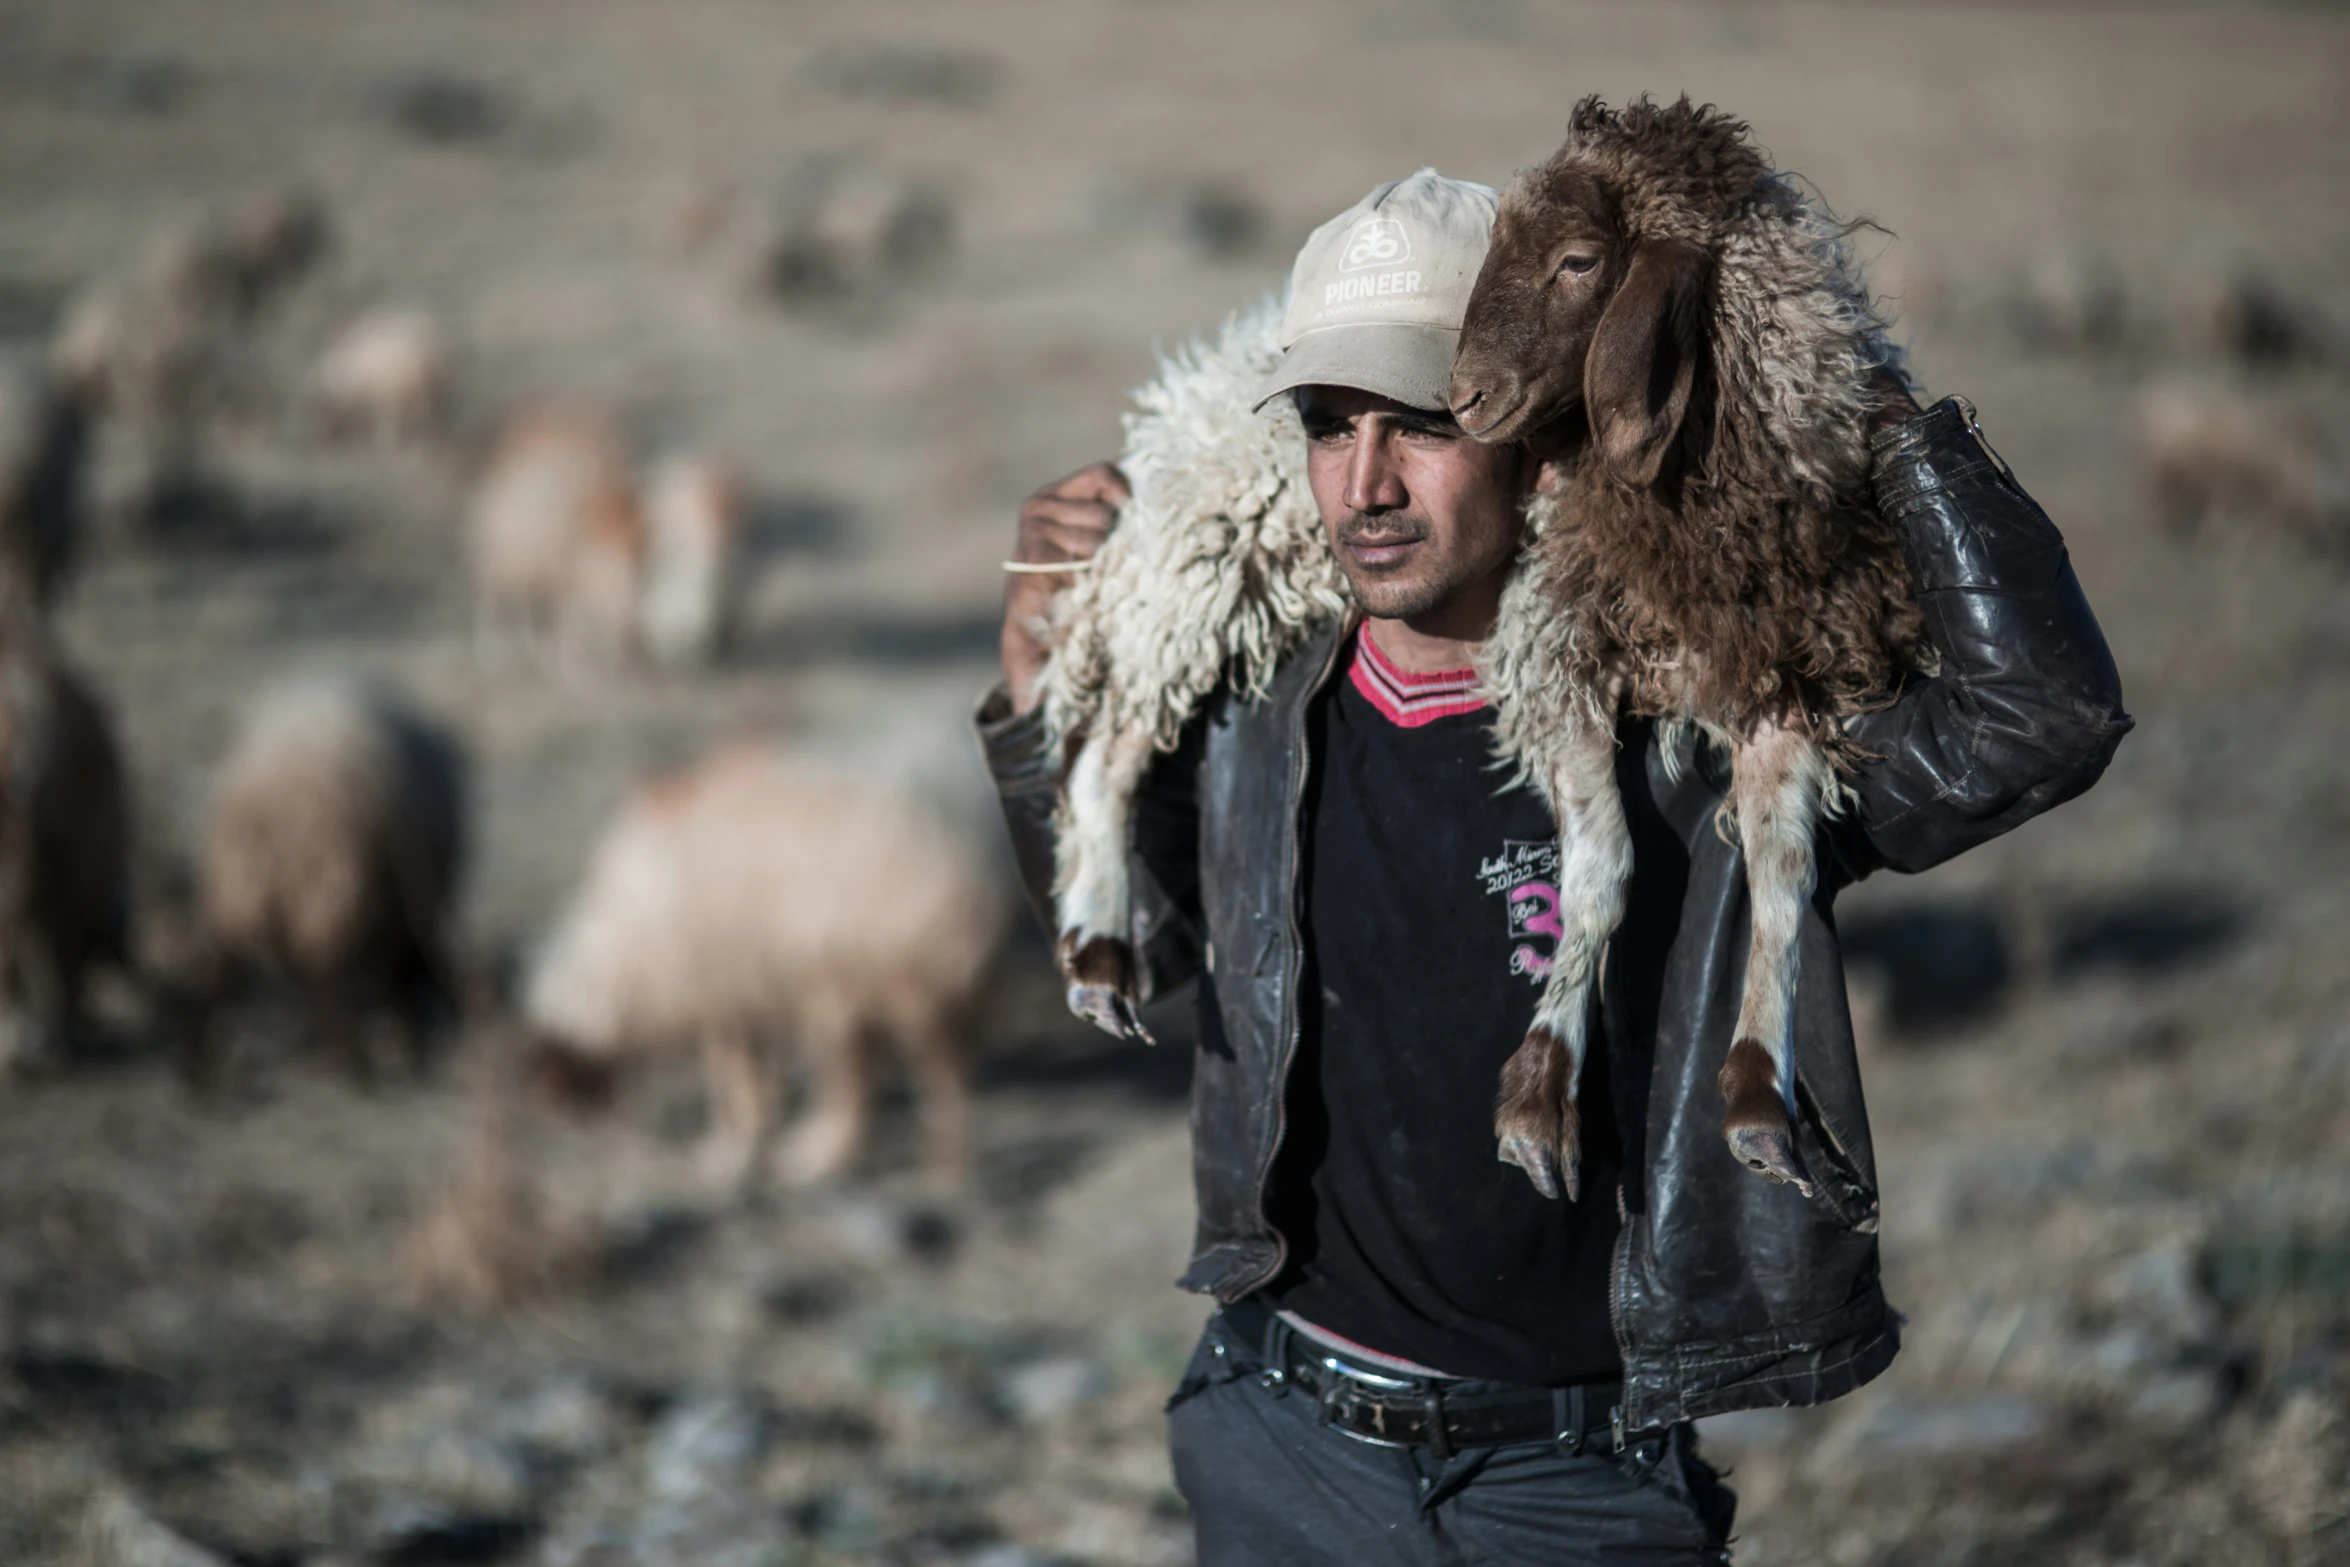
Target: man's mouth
{"points": [[1376, 547]]}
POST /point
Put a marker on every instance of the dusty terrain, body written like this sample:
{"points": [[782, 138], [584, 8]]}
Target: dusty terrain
{"points": [[2109, 1056]]}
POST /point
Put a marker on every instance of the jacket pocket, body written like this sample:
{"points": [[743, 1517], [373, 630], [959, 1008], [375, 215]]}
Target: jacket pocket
{"points": [[1838, 1187]]}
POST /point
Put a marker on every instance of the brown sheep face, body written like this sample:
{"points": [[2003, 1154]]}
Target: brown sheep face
{"points": [[1569, 312]]}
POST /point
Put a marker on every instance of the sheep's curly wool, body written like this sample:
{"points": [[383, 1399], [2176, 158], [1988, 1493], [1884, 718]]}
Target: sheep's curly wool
{"points": [[1765, 564], [1218, 565], [1761, 585]]}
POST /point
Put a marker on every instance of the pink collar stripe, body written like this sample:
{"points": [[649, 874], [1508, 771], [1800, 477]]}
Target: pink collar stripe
{"points": [[1407, 699]]}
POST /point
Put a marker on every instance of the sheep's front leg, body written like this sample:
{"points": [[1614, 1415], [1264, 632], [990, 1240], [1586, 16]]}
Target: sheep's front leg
{"points": [[1779, 782], [832, 1128], [1535, 1118], [1095, 900], [742, 1108]]}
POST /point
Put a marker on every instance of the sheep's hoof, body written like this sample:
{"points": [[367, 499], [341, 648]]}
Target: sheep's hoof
{"points": [[1536, 1124], [1756, 1125], [1101, 973], [1549, 1170]]}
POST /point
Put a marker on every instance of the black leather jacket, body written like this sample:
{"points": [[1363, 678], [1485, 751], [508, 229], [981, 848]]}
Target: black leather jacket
{"points": [[1728, 1292]]}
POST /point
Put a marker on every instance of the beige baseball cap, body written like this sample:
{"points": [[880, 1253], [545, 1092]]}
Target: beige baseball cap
{"points": [[1377, 296]]}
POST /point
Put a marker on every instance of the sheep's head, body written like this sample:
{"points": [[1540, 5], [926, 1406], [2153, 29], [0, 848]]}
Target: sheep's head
{"points": [[1572, 311]]}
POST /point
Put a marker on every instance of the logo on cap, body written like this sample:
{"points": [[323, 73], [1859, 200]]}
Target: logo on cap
{"points": [[1375, 242]]}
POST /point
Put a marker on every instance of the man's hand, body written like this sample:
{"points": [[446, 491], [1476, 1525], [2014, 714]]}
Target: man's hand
{"points": [[1061, 522]]}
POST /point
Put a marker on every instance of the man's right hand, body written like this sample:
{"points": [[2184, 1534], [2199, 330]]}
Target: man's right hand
{"points": [[1061, 522]]}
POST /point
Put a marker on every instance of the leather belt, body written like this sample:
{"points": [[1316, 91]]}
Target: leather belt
{"points": [[1389, 1409]]}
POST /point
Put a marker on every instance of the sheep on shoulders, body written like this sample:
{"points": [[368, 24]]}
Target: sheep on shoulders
{"points": [[1704, 553]]}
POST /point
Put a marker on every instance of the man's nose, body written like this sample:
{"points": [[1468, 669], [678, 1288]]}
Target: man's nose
{"points": [[1374, 480]]}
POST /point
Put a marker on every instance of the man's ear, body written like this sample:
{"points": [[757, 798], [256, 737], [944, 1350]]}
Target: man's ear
{"points": [[1642, 364]]}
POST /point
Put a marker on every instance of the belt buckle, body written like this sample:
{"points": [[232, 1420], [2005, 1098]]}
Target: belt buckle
{"points": [[1342, 1373]]}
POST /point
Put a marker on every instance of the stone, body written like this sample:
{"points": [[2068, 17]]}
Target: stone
{"points": [[707, 1442], [1961, 1426], [118, 1532], [1042, 1390]]}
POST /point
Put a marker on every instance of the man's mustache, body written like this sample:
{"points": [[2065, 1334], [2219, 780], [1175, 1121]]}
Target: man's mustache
{"points": [[1388, 528]]}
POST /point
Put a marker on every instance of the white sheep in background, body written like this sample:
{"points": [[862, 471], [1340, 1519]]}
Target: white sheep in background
{"points": [[556, 540], [64, 842], [746, 898], [2227, 453], [336, 841], [387, 374], [694, 525]]}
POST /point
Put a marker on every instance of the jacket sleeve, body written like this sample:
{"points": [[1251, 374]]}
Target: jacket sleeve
{"points": [[1165, 857], [2026, 709]]}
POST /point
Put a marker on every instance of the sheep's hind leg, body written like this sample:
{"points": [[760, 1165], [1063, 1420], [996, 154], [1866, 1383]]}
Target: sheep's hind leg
{"points": [[1779, 780], [1096, 956], [1535, 1120]]}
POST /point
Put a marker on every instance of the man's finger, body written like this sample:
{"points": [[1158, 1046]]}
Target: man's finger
{"points": [[1081, 516], [1099, 482]]}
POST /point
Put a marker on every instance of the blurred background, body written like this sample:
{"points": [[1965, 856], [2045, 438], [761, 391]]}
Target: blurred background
{"points": [[494, 492]]}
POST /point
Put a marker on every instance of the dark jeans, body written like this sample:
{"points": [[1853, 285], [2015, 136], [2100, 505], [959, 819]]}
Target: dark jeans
{"points": [[1269, 1484]]}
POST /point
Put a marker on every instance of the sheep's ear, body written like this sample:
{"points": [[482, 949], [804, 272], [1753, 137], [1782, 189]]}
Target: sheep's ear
{"points": [[1643, 359]]}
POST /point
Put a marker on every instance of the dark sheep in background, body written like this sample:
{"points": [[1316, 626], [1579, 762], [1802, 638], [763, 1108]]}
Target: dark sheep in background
{"points": [[43, 435], [333, 856], [64, 840]]}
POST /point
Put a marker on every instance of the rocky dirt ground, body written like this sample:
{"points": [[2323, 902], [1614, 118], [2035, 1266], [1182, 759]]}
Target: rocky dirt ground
{"points": [[2109, 1056]]}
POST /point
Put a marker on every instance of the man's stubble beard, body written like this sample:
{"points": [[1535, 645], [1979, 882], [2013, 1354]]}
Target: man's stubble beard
{"points": [[1385, 597]]}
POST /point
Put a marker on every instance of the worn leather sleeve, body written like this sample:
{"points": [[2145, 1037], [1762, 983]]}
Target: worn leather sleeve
{"points": [[2026, 709], [1165, 869]]}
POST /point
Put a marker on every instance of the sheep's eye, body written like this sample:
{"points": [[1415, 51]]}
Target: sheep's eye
{"points": [[1578, 264]]}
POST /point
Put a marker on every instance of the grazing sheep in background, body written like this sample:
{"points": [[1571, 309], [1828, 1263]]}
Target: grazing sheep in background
{"points": [[2213, 452], [694, 526], [556, 541], [386, 374], [64, 840], [746, 896], [336, 841], [42, 437], [157, 342], [1708, 555], [154, 356], [2254, 321]]}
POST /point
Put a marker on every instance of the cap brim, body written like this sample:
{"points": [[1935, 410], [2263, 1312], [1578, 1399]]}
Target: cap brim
{"points": [[1412, 364]]}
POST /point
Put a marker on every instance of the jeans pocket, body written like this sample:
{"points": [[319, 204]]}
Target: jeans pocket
{"points": [[1696, 1487], [1215, 1359]]}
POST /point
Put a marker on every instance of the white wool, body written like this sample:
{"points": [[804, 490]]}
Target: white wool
{"points": [[693, 525], [748, 891]]}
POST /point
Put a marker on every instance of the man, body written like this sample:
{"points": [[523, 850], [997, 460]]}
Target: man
{"points": [[1417, 1357]]}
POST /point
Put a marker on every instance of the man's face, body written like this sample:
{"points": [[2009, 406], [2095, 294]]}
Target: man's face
{"points": [[1418, 513]]}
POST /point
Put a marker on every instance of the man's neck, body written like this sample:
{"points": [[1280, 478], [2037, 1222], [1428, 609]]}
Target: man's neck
{"points": [[1418, 648]]}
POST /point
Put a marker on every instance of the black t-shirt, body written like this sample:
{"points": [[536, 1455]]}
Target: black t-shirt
{"points": [[1431, 912]]}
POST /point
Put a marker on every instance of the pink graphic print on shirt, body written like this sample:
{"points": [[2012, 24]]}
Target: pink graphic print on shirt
{"points": [[1526, 876]]}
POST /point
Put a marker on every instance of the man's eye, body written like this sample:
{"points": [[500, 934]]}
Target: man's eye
{"points": [[1578, 265]]}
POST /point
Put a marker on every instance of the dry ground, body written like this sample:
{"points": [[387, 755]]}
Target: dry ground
{"points": [[2110, 1056]]}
